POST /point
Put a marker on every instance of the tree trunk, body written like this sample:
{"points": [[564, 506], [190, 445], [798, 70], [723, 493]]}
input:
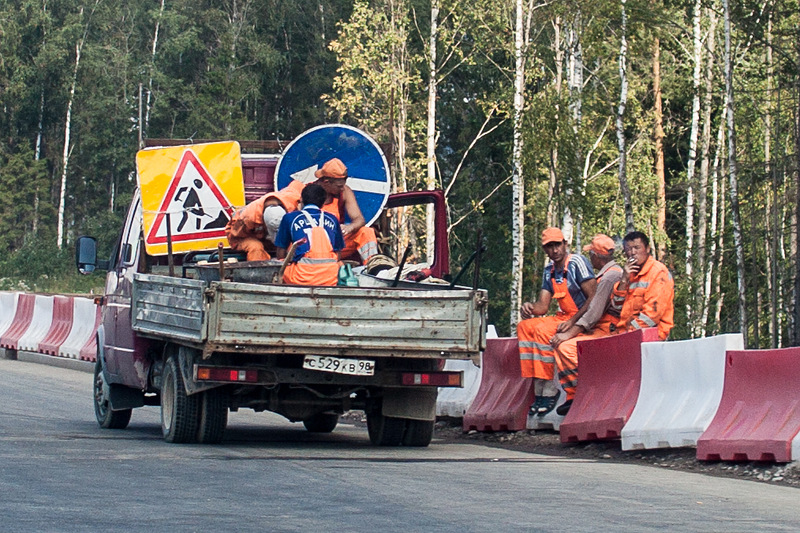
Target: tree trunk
{"points": [[658, 138], [553, 218], [772, 197], [152, 69], [65, 157], [518, 186], [796, 235], [431, 134], [620, 124], [697, 60], [733, 189], [705, 257]]}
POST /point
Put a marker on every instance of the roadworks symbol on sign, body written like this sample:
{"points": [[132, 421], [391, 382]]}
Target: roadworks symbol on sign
{"points": [[197, 208]]}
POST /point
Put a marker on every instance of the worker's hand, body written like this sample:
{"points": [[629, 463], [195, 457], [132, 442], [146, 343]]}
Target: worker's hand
{"points": [[631, 268], [346, 229], [526, 311], [558, 338], [564, 326]]}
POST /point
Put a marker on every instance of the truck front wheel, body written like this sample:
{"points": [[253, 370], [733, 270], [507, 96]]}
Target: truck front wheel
{"points": [[107, 418], [179, 412]]}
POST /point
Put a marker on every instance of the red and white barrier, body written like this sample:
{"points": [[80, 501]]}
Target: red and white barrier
{"points": [[504, 396], [610, 373], [759, 414], [86, 319], [40, 324], [8, 308], [19, 324], [60, 326], [680, 391]]}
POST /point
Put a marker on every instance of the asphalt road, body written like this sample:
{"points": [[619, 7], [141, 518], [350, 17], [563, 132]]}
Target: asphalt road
{"points": [[60, 472]]}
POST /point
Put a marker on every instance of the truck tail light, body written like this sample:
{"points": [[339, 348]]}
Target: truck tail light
{"points": [[232, 375], [433, 379]]}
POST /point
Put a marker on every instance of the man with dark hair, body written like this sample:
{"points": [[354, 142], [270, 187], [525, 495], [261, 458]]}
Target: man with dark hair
{"points": [[315, 260], [646, 290], [569, 280]]}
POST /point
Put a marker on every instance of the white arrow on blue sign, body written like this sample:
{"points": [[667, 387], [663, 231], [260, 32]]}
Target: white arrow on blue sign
{"points": [[367, 169]]}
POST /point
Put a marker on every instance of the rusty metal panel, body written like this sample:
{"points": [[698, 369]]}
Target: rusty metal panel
{"points": [[347, 321], [170, 307]]}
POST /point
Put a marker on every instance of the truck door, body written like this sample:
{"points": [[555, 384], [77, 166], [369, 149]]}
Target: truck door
{"points": [[125, 353]]}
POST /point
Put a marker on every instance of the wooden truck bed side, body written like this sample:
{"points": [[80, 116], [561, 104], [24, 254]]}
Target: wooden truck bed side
{"points": [[375, 322]]}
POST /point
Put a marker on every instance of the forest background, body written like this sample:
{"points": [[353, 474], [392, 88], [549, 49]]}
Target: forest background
{"points": [[675, 117]]}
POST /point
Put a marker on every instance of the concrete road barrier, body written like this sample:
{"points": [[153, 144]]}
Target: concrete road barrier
{"points": [[504, 396], [8, 308], [680, 391], [759, 414], [610, 370], [86, 319], [60, 325], [40, 324]]}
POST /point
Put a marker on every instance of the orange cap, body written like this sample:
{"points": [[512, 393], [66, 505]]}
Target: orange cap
{"points": [[332, 169], [601, 245], [552, 235]]}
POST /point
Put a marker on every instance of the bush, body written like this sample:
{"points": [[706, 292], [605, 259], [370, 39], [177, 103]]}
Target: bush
{"points": [[42, 267]]}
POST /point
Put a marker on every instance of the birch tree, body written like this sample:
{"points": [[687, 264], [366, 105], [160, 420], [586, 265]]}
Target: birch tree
{"points": [[733, 187], [620, 122], [518, 184]]}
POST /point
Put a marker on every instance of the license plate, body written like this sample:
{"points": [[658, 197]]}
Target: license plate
{"points": [[339, 365]]}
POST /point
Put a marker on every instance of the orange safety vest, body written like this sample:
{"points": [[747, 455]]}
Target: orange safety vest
{"points": [[648, 301], [561, 293], [320, 265]]}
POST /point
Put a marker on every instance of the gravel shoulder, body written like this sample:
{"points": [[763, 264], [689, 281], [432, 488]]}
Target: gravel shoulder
{"points": [[548, 442]]}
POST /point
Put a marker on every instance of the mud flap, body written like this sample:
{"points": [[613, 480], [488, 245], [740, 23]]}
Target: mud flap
{"points": [[416, 404], [186, 361], [121, 397]]}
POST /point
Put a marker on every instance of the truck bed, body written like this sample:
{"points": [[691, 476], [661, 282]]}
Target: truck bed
{"points": [[344, 321]]}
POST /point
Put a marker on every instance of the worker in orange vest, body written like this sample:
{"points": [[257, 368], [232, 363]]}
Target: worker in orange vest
{"points": [[315, 260], [569, 279], [592, 321], [258, 221], [646, 290]]}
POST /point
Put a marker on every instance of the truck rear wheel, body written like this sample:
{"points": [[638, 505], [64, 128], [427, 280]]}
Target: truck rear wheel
{"points": [[213, 416], [179, 412], [321, 422], [418, 432], [107, 418], [385, 430]]}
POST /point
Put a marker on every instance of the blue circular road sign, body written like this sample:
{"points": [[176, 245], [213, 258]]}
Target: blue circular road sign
{"points": [[367, 169]]}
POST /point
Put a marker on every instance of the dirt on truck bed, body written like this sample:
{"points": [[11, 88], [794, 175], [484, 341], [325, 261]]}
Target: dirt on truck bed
{"points": [[547, 442]]}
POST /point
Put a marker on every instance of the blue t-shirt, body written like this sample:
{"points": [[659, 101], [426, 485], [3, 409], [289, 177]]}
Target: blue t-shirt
{"points": [[294, 225], [578, 270]]}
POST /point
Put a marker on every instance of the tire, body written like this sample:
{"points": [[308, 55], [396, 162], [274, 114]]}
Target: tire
{"points": [[418, 432], [107, 418], [321, 422], [179, 412], [212, 416], [385, 430]]}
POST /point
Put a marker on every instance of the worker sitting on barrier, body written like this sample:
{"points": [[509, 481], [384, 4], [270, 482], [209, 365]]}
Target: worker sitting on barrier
{"points": [[592, 321], [319, 238], [646, 290], [570, 280]]}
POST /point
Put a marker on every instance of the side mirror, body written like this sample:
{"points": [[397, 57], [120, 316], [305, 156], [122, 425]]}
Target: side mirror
{"points": [[86, 254]]}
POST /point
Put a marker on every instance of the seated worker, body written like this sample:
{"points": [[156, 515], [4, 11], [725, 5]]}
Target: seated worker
{"points": [[319, 236], [259, 220], [570, 280], [592, 321], [646, 290]]}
